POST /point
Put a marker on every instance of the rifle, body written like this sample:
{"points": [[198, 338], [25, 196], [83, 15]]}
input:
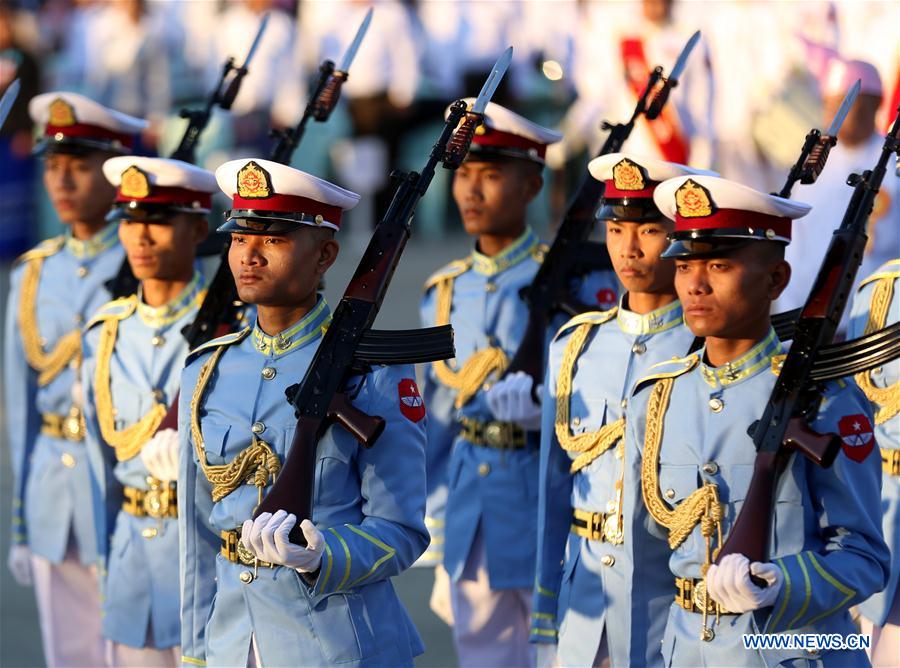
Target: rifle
{"points": [[571, 254], [350, 345], [220, 308], [124, 283], [784, 426], [323, 100]]}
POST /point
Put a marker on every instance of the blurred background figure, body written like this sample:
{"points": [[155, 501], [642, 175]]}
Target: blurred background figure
{"points": [[379, 91], [617, 47], [273, 95], [17, 171], [859, 145]]}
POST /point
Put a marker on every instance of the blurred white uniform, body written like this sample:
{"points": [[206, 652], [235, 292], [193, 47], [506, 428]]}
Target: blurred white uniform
{"points": [[607, 37], [387, 60], [829, 197], [276, 82]]}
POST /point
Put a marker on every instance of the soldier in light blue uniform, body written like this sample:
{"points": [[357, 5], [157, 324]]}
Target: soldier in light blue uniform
{"points": [[486, 531], [247, 594], [55, 288], [691, 417], [133, 356], [601, 593], [876, 305]]}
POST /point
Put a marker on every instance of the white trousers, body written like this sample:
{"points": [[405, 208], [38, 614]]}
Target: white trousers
{"points": [[491, 626], [68, 600]]}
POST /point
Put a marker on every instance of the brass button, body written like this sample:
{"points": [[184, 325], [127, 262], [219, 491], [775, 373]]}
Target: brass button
{"points": [[716, 405], [670, 493], [82, 272], [485, 387], [576, 421], [268, 373], [246, 577], [258, 427], [608, 560], [624, 404], [490, 287], [67, 460], [159, 396], [157, 341], [149, 532], [639, 348], [710, 468], [483, 469]]}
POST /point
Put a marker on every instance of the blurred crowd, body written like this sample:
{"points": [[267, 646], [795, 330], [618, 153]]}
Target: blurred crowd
{"points": [[751, 91]]}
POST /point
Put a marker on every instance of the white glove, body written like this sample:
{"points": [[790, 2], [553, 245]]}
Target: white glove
{"points": [[160, 455], [19, 563], [440, 596], [510, 401], [266, 538], [729, 583], [546, 655]]}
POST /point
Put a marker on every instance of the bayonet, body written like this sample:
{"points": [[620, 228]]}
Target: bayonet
{"points": [[843, 110], [681, 63], [350, 53]]}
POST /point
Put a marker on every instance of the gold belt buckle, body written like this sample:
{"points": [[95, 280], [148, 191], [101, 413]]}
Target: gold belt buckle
{"points": [[73, 425], [891, 459], [596, 526], [493, 434], [156, 499]]}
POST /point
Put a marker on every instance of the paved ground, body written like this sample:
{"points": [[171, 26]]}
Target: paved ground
{"points": [[19, 636]]}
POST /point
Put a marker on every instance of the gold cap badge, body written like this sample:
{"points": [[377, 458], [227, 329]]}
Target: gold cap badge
{"points": [[628, 175], [135, 184], [61, 113], [692, 200], [253, 182]]}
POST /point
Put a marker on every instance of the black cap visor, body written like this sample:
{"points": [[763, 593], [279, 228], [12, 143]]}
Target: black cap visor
{"points": [[696, 245], [78, 146], [273, 223], [480, 153], [635, 210], [146, 212]]}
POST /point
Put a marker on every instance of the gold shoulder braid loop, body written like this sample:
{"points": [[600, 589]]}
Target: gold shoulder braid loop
{"points": [[887, 398], [128, 441], [478, 368], [258, 462], [701, 507], [67, 349], [590, 444]]}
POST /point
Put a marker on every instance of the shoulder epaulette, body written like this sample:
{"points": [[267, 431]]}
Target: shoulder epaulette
{"points": [[890, 269], [672, 368], [452, 270], [227, 340], [46, 248], [591, 317], [117, 309]]}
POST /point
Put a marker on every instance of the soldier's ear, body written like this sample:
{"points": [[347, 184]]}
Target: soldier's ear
{"points": [[534, 182], [201, 229], [328, 253], [779, 277]]}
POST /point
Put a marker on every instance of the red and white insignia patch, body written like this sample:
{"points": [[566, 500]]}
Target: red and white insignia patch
{"points": [[411, 404], [856, 436], [606, 298]]}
